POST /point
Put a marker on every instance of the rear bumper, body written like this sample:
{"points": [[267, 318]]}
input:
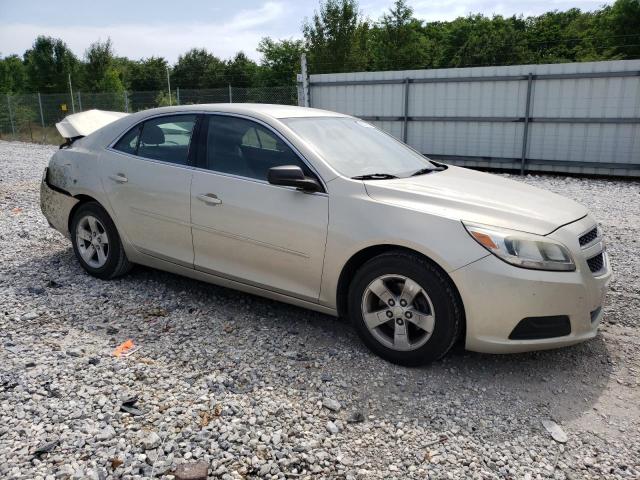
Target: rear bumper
{"points": [[56, 205], [497, 296]]}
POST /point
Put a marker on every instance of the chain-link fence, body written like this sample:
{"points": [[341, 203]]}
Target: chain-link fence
{"points": [[32, 117]]}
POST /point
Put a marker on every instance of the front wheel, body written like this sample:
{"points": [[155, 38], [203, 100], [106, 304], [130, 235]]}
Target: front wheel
{"points": [[96, 242], [404, 308]]}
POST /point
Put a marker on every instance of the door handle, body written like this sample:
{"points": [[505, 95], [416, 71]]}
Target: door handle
{"points": [[119, 178], [209, 199]]}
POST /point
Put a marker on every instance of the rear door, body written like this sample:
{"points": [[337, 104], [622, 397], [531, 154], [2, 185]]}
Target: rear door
{"points": [[147, 177], [246, 229]]}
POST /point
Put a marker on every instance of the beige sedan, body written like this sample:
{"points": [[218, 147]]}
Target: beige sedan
{"points": [[325, 211]]}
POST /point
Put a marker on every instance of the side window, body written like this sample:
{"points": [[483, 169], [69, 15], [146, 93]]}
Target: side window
{"points": [[167, 138], [245, 148], [128, 143], [250, 138]]}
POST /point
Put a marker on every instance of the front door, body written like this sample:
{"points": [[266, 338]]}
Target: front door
{"points": [[246, 229], [147, 180]]}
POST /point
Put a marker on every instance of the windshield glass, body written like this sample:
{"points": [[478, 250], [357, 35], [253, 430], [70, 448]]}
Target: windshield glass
{"points": [[355, 148]]}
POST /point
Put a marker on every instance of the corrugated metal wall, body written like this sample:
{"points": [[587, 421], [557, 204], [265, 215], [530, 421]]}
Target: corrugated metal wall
{"points": [[582, 117]]}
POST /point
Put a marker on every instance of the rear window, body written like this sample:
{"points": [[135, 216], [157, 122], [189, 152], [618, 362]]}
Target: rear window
{"points": [[165, 138], [129, 142]]}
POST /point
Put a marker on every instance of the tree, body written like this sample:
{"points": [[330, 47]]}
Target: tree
{"points": [[199, 69], [100, 72], [623, 26], [148, 74], [332, 37], [48, 65], [280, 61], [241, 71], [338, 39], [398, 42], [12, 75]]}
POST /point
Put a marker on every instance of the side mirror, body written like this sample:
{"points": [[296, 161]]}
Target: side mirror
{"points": [[292, 176]]}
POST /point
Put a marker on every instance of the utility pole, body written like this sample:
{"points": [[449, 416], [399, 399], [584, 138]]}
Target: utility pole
{"points": [[73, 104], [305, 80], [169, 85]]}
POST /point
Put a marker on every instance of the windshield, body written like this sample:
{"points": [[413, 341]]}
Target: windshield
{"points": [[355, 148]]}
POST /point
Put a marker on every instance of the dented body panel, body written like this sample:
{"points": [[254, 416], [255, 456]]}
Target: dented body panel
{"points": [[56, 206]]}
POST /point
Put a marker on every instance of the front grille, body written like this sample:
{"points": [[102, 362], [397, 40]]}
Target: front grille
{"points": [[588, 237], [596, 263]]}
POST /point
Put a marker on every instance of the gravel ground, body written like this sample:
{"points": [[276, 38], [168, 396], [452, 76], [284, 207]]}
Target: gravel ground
{"points": [[256, 388]]}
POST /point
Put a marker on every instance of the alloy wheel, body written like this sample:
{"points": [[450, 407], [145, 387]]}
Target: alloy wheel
{"points": [[92, 241], [398, 312]]}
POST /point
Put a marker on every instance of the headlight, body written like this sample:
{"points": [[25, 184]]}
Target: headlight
{"points": [[521, 249]]}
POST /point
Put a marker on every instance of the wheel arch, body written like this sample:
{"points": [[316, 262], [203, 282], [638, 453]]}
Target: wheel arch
{"points": [[361, 257], [82, 199]]}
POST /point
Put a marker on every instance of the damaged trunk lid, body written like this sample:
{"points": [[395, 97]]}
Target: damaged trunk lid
{"points": [[81, 124]]}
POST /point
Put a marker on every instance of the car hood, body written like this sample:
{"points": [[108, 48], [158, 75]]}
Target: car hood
{"points": [[479, 197]]}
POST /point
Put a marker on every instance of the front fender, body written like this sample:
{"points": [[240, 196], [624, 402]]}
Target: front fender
{"points": [[359, 222]]}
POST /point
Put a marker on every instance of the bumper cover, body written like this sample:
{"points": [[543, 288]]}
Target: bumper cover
{"points": [[56, 206], [497, 296]]}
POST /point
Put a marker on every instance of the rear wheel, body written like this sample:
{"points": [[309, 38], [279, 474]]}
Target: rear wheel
{"points": [[404, 308], [96, 242]]}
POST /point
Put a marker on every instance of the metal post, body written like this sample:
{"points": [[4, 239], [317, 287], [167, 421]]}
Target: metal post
{"points": [[126, 101], [305, 80], [169, 85], [41, 115], [405, 118], [79, 101], [177, 95], [13, 127], [73, 105], [525, 132], [230, 94]]}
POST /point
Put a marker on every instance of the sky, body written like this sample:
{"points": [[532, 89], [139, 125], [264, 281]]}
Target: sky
{"points": [[141, 28]]}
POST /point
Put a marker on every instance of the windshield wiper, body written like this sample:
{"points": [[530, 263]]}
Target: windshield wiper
{"points": [[422, 171], [374, 176]]}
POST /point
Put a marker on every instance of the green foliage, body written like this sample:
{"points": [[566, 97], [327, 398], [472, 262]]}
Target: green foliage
{"points": [[623, 21], [280, 61], [338, 39], [145, 75], [100, 69], [199, 69], [334, 37], [398, 42], [13, 76], [48, 65], [241, 71], [149, 74], [162, 99]]}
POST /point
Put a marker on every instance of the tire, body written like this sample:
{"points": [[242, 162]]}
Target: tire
{"points": [[413, 333], [91, 224]]}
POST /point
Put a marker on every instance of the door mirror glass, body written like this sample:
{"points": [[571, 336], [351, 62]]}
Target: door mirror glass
{"points": [[292, 176]]}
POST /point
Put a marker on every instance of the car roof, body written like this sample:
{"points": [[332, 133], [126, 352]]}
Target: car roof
{"points": [[252, 109]]}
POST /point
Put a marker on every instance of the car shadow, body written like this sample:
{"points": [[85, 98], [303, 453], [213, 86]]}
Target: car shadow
{"points": [[320, 355]]}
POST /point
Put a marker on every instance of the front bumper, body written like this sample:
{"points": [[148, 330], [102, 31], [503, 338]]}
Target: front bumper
{"points": [[56, 205], [497, 296]]}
